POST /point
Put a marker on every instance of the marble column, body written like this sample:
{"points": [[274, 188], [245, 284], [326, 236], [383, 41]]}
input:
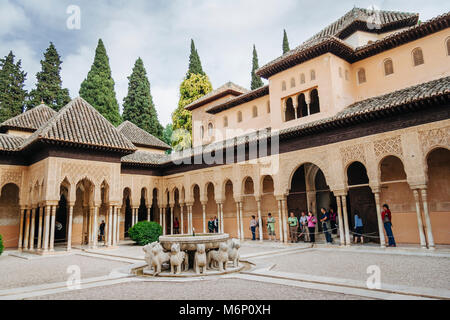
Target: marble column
{"points": [[95, 229], [237, 221], [380, 220], [27, 229], [46, 228], [110, 229], [182, 218], [346, 228], [423, 243], [32, 227], [260, 228], [69, 227], [340, 221], [219, 217], [204, 216], [284, 214], [161, 216], [52, 228], [223, 221], [41, 213], [164, 221], [430, 237], [241, 220], [280, 219], [20, 244], [171, 219], [149, 209]]}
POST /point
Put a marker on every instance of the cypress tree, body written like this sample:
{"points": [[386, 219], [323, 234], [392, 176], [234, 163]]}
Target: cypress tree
{"points": [[12, 92], [49, 84], [195, 65], [285, 43], [98, 87], [138, 106], [256, 80]]}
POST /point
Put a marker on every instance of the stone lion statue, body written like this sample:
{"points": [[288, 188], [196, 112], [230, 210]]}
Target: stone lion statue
{"points": [[233, 251], [200, 259], [178, 259], [158, 258], [220, 256], [148, 254]]}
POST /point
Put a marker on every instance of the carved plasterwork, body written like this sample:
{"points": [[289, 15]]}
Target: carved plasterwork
{"points": [[430, 139], [388, 146], [353, 153]]}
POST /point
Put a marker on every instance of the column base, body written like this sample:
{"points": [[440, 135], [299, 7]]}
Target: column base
{"points": [[432, 248]]}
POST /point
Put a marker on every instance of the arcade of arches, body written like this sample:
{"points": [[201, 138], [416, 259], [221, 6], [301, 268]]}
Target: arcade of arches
{"points": [[43, 208]]}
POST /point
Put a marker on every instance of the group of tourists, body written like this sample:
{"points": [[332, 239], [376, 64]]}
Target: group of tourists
{"points": [[304, 227], [213, 225]]}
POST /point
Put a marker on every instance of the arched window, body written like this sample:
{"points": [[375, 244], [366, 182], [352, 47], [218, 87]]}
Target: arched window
{"points": [[292, 83], [225, 122], [210, 129], [417, 57], [346, 75], [202, 132], [340, 72], [302, 110], [313, 75], [255, 111], [448, 46], [314, 105], [239, 116], [283, 86], [388, 67], [268, 106], [289, 114], [302, 78], [361, 76]]}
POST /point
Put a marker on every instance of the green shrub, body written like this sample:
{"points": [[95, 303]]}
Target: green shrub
{"points": [[1, 244], [145, 232]]}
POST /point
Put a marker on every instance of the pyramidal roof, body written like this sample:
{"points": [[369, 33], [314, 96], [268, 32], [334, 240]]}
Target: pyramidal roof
{"points": [[140, 137], [30, 120], [79, 123]]}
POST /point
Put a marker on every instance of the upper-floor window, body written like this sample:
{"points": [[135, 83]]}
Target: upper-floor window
{"points": [[255, 111], [283, 86], [268, 106], [202, 132], [225, 122], [210, 129], [302, 78], [448, 46], [289, 113], [340, 72], [302, 109], [417, 55], [361, 76], [292, 83], [388, 67], [313, 75], [346, 75], [314, 105], [239, 116]]}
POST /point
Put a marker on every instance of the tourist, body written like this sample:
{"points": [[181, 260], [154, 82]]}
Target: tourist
{"points": [[211, 225], [293, 226], [271, 226], [333, 221], [312, 227], [253, 225], [387, 220], [102, 230], [304, 226], [176, 226], [325, 219], [216, 225], [358, 229]]}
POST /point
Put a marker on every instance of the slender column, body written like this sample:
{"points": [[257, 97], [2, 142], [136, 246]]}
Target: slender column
{"points": [[164, 221], [237, 221], [182, 217], [204, 216], [423, 243], [149, 209], [27, 229], [346, 228], [95, 229], [32, 228], [280, 219], [427, 219], [39, 243], [161, 216], [91, 223], [46, 227], [223, 221], [52, 229], [115, 236], [260, 229], [110, 227], [380, 220], [20, 245], [69, 228], [285, 226], [171, 219], [241, 220], [341, 222], [190, 222], [220, 217]]}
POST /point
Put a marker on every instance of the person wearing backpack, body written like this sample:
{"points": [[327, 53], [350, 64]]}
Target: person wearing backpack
{"points": [[312, 227]]}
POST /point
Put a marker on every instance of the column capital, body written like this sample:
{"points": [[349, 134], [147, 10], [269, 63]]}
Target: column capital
{"points": [[281, 196], [339, 193], [50, 203], [189, 203], [204, 203]]}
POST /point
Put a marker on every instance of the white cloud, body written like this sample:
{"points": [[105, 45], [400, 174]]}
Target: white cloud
{"points": [[12, 18]]}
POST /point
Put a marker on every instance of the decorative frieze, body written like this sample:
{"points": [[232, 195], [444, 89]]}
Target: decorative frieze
{"points": [[388, 146]]}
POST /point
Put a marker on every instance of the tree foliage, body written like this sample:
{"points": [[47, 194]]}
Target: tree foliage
{"points": [[138, 106], [49, 84], [195, 65], [98, 88], [12, 92], [145, 232], [256, 80], [285, 42]]}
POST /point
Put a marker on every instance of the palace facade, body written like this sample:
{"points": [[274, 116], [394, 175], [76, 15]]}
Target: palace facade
{"points": [[355, 117]]}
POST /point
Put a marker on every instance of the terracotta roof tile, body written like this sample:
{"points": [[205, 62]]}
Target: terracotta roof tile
{"points": [[243, 98], [10, 143], [30, 120], [140, 137], [145, 157]]}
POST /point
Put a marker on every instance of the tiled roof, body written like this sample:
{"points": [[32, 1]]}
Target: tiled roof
{"points": [[246, 97], [10, 143], [78, 123], [145, 157], [227, 88], [30, 120], [140, 137]]}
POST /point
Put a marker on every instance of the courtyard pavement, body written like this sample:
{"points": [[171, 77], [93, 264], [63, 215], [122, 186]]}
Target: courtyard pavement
{"points": [[277, 271]]}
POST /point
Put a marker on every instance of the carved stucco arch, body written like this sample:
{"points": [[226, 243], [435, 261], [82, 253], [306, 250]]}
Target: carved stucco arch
{"points": [[426, 156]]}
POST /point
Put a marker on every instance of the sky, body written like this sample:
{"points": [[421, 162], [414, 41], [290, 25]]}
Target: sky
{"points": [[159, 31]]}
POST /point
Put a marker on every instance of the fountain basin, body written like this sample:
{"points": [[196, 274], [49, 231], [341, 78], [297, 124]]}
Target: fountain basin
{"points": [[189, 242]]}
